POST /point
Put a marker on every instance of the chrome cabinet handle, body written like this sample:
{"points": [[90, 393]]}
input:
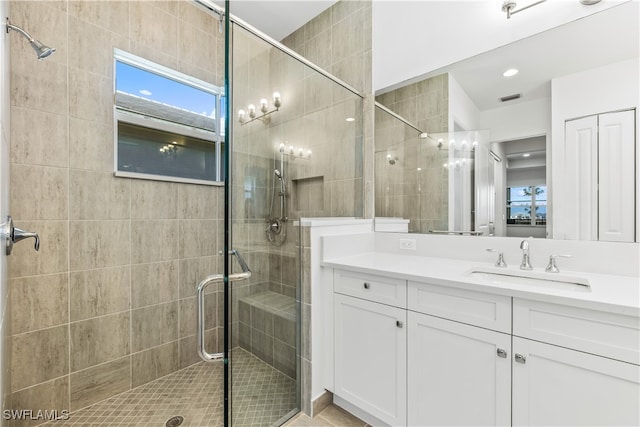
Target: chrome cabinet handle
{"points": [[13, 235], [366, 285], [520, 358], [502, 353]]}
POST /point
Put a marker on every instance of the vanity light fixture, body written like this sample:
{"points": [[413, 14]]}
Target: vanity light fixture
{"points": [[509, 6], [510, 72], [249, 115]]}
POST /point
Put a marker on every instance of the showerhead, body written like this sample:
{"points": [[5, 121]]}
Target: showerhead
{"points": [[41, 49], [278, 174]]}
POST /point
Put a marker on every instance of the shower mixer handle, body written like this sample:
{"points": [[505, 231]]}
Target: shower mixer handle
{"points": [[13, 235]]}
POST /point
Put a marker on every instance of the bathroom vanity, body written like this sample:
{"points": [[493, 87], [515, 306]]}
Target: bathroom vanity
{"points": [[422, 340]]}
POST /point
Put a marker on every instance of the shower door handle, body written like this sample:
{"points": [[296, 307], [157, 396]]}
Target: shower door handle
{"points": [[202, 286], [13, 235]]}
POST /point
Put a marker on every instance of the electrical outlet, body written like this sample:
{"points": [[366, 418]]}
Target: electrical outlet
{"points": [[408, 244]]}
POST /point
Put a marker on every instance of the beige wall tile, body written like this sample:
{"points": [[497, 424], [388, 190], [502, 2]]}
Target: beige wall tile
{"points": [[90, 96], [38, 85], [52, 256], [154, 240], [99, 340], [154, 325], [91, 47], [154, 283], [188, 352], [100, 382], [39, 192], [91, 145], [194, 270], [112, 15], [39, 302], [152, 26], [98, 195], [39, 138], [198, 238], [153, 199], [51, 345], [99, 292], [188, 316], [154, 363], [198, 201], [97, 244], [50, 395]]}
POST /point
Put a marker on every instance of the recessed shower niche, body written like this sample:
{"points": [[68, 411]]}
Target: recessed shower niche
{"points": [[308, 196]]}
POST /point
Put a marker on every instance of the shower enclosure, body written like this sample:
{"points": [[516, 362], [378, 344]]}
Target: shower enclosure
{"points": [[110, 302]]}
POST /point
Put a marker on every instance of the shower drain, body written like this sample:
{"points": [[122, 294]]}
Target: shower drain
{"points": [[174, 421]]}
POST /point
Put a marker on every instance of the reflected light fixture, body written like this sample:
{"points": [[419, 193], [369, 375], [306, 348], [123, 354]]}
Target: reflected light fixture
{"points": [[526, 155], [510, 72], [249, 115], [350, 119]]}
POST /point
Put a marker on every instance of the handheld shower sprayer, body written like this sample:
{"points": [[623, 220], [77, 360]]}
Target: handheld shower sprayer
{"points": [[276, 228], [41, 49]]}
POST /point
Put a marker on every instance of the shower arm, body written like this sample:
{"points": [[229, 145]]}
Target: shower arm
{"points": [[10, 26]]}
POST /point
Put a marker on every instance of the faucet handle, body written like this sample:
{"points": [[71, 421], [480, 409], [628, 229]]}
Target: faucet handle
{"points": [[500, 262], [552, 267]]}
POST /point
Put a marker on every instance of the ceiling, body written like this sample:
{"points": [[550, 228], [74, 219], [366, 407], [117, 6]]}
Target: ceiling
{"points": [[603, 38], [277, 19]]}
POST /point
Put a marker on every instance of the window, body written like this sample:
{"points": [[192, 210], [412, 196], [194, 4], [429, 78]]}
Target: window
{"points": [[527, 205], [167, 123]]}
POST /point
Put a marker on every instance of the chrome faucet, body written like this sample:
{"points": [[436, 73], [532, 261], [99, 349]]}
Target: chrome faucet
{"points": [[552, 267], [526, 264]]}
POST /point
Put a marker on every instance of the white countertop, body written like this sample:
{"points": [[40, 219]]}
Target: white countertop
{"points": [[616, 294]]}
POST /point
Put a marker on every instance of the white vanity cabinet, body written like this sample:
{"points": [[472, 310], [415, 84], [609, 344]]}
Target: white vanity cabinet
{"points": [[420, 354], [371, 344], [458, 373], [574, 366]]}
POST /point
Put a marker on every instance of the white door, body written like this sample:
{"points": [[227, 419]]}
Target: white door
{"points": [[457, 374], [580, 199], [616, 176], [484, 183], [370, 357], [557, 386]]}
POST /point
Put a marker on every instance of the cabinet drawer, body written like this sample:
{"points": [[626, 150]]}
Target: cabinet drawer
{"points": [[606, 334], [474, 308], [374, 288]]}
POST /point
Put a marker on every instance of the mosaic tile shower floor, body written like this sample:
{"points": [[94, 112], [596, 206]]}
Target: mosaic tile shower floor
{"points": [[262, 396]]}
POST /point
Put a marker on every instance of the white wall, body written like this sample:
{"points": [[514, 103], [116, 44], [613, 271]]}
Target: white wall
{"points": [[517, 121], [434, 34], [462, 110], [599, 90]]}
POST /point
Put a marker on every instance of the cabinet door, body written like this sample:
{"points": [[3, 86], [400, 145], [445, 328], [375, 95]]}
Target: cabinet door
{"points": [[557, 386], [616, 176], [370, 357], [457, 374]]}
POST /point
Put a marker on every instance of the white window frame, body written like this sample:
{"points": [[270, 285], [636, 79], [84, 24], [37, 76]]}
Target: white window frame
{"points": [[140, 119]]}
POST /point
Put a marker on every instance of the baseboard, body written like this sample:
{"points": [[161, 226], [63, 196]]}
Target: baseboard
{"points": [[321, 403]]}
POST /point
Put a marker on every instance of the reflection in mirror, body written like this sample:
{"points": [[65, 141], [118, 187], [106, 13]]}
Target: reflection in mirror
{"points": [[550, 179]]}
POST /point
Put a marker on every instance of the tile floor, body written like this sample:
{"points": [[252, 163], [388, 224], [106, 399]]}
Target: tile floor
{"points": [[262, 396], [331, 416]]}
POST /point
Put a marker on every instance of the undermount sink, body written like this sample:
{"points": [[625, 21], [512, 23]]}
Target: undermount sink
{"points": [[534, 278]]}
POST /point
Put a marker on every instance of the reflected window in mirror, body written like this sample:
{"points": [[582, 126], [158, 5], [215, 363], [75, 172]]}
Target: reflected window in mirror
{"points": [[527, 205], [167, 123]]}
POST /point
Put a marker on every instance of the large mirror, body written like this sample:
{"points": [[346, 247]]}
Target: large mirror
{"points": [[544, 150]]}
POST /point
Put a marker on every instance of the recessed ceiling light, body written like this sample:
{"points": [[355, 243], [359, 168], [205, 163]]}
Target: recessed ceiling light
{"points": [[510, 72], [350, 119], [526, 155], [145, 92]]}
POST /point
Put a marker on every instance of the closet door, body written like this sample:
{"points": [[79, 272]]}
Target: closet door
{"points": [[581, 178], [616, 153]]}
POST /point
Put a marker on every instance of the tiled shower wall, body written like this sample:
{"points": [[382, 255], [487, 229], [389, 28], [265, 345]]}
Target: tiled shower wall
{"points": [[403, 190], [108, 302]]}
